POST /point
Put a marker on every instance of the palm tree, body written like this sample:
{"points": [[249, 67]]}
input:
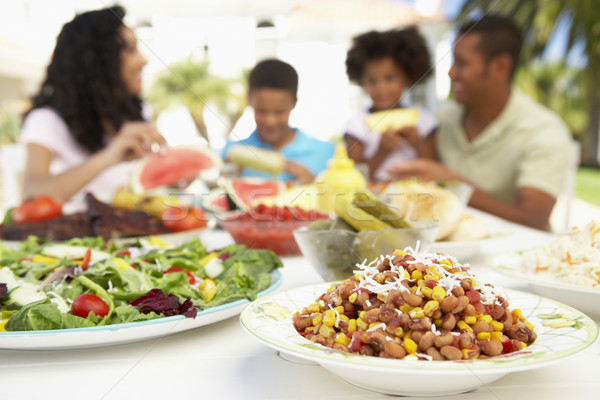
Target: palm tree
{"points": [[540, 18], [191, 84]]}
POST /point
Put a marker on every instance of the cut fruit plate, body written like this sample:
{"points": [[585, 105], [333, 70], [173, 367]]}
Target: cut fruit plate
{"points": [[270, 320]]}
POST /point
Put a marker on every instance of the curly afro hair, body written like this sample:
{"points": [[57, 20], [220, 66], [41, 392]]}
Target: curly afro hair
{"points": [[406, 46], [83, 82]]}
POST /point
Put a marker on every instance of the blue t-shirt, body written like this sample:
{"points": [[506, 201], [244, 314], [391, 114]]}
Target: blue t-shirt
{"points": [[308, 151]]}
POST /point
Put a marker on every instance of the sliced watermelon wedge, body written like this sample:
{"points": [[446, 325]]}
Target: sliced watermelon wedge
{"points": [[245, 191], [172, 166]]}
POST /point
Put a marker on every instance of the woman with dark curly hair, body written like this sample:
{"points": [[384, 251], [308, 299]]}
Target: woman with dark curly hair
{"points": [[86, 122], [385, 64]]}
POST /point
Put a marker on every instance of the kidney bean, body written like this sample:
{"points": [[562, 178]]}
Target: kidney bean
{"points": [[387, 315], [362, 297], [395, 297], [302, 323], [372, 304], [384, 264], [469, 310], [345, 289], [458, 291], [444, 339], [336, 300], [426, 341], [448, 321], [348, 308], [372, 315], [482, 326], [520, 332], [497, 312], [412, 299], [419, 324], [466, 340], [448, 303], [466, 284], [463, 301], [394, 349], [435, 354], [416, 336], [451, 353], [492, 347]]}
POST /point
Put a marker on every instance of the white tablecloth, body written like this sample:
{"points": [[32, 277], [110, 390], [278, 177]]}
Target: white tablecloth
{"points": [[223, 361]]}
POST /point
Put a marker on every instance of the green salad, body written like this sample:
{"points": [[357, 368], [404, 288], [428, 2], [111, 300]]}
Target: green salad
{"points": [[88, 282]]}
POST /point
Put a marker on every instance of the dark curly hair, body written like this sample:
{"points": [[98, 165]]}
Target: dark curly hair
{"points": [[273, 74], [83, 82], [405, 46]]}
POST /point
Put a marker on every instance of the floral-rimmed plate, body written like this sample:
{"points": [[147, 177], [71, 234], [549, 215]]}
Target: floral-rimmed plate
{"points": [[562, 332], [582, 298], [109, 335]]}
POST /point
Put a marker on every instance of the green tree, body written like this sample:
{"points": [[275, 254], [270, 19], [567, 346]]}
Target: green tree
{"points": [[190, 83], [539, 18]]}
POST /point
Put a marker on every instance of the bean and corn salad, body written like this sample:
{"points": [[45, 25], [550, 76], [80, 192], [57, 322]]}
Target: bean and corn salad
{"points": [[409, 305]]}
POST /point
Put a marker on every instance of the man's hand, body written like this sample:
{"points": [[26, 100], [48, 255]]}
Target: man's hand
{"points": [[425, 170]]}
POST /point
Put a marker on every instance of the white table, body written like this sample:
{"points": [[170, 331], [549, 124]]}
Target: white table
{"points": [[222, 361]]}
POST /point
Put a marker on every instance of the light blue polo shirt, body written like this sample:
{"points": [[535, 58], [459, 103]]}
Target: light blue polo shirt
{"points": [[308, 151]]}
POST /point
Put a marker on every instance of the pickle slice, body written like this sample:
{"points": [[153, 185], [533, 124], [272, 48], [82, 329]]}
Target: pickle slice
{"points": [[369, 203], [357, 218]]}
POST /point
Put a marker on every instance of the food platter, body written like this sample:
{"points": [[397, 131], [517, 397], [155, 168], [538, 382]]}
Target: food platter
{"points": [[582, 298], [110, 335], [462, 251], [270, 321]]}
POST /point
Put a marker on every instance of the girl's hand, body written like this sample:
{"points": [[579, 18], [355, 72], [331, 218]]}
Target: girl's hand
{"points": [[134, 140], [390, 140], [411, 134], [302, 174]]}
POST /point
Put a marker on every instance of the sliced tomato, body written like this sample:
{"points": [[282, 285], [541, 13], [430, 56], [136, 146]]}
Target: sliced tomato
{"points": [[87, 303], [39, 209], [190, 276], [86, 259], [183, 218]]}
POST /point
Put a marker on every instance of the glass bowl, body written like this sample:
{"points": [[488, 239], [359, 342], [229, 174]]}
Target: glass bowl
{"points": [[334, 253]]}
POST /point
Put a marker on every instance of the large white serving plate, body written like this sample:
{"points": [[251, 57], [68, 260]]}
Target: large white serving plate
{"points": [[462, 251], [270, 320], [582, 298], [109, 335]]}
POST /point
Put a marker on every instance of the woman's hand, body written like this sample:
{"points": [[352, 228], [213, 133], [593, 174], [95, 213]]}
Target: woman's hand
{"points": [[303, 175], [134, 140]]}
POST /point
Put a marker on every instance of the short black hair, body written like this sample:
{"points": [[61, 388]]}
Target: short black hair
{"points": [[273, 74], [499, 35], [405, 46]]}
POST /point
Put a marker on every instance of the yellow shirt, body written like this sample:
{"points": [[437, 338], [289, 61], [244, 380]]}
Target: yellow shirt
{"points": [[526, 146]]}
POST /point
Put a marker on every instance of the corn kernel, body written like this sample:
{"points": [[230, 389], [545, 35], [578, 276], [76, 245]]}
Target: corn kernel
{"points": [[463, 326], [204, 260], [398, 332], [361, 314], [470, 319], [352, 297], [524, 345], [331, 289], [339, 309], [359, 277], [484, 336], [470, 354], [330, 318], [361, 325], [430, 307], [446, 262], [406, 275], [417, 312], [351, 325], [528, 324], [342, 339], [380, 278], [313, 308], [416, 274], [374, 324], [427, 292], [438, 293], [382, 297], [326, 331], [517, 314], [486, 318], [421, 283], [344, 317], [317, 320], [437, 322], [496, 335], [498, 326], [405, 308], [409, 345], [399, 252], [437, 314]]}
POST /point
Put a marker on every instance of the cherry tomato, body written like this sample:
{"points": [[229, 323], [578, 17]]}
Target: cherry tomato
{"points": [[87, 303], [190, 276], [178, 219], [38, 209]]}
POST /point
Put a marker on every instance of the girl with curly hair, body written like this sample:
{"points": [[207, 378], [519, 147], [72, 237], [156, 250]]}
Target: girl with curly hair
{"points": [[86, 124], [385, 64]]}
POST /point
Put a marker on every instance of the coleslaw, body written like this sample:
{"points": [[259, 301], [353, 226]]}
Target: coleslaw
{"points": [[573, 258]]}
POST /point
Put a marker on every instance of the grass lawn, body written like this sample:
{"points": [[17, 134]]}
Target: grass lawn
{"points": [[587, 186]]}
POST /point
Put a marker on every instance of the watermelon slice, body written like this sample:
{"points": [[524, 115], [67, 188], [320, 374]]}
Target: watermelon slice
{"points": [[245, 191], [218, 201], [172, 166]]}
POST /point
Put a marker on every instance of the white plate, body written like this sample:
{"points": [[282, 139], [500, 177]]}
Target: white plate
{"points": [[270, 320], [583, 298], [109, 335]]}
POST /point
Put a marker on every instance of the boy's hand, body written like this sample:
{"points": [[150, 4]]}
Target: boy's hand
{"points": [[303, 175], [390, 140], [411, 134]]}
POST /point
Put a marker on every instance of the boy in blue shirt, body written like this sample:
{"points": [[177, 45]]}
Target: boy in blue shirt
{"points": [[272, 89]]}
